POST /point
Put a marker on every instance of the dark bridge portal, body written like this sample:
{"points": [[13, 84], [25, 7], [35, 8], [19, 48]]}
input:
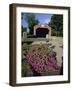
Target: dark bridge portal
{"points": [[41, 32]]}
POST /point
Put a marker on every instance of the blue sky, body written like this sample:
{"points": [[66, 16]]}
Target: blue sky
{"points": [[42, 18]]}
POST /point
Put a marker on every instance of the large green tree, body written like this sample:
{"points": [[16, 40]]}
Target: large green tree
{"points": [[31, 20], [56, 24]]}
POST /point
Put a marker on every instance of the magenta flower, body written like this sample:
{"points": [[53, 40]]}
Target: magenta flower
{"points": [[42, 58]]}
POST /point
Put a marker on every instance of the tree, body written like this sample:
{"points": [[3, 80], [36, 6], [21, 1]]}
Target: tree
{"points": [[24, 29], [31, 20], [56, 24]]}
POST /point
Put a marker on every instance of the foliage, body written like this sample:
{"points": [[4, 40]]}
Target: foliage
{"points": [[25, 68], [31, 20], [42, 58], [56, 24], [25, 48], [24, 29]]}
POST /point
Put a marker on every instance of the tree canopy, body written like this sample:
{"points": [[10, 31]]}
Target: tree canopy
{"points": [[31, 20], [56, 24]]}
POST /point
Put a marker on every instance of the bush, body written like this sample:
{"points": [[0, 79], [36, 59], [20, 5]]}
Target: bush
{"points": [[58, 34], [42, 58], [24, 68], [32, 36]]}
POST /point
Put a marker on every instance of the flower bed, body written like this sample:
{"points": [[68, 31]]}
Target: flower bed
{"points": [[42, 58]]}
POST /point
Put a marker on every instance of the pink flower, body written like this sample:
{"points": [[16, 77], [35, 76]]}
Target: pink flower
{"points": [[42, 58]]}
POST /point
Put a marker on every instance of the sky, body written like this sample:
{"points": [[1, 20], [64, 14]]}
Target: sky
{"points": [[42, 18]]}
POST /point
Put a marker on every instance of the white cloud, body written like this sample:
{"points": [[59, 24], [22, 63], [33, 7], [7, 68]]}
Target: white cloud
{"points": [[46, 21]]}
